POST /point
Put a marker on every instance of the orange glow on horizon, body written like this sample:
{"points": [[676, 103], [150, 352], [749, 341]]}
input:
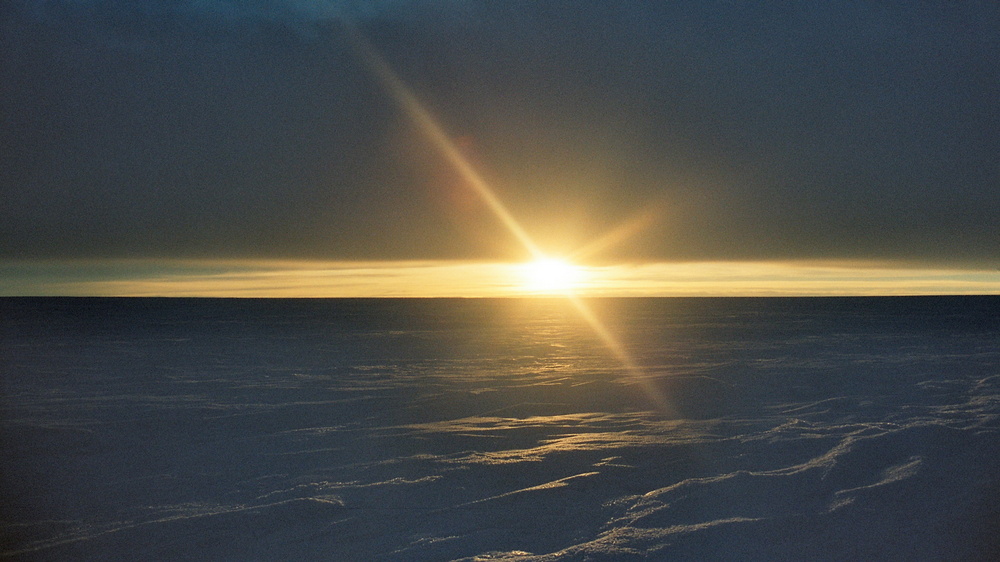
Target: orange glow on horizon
{"points": [[429, 279]]}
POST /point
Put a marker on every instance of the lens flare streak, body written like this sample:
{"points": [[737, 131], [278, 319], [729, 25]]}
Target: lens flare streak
{"points": [[440, 139], [430, 127], [621, 354]]}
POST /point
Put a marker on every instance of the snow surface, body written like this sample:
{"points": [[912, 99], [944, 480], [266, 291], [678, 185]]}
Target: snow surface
{"points": [[789, 429]]}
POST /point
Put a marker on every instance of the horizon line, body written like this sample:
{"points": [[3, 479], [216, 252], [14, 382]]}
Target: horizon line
{"points": [[233, 278]]}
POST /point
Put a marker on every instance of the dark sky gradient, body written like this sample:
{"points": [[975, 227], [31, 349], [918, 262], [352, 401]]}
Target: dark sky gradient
{"points": [[202, 129]]}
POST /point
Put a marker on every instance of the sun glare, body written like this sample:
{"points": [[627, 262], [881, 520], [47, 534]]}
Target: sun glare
{"points": [[551, 275]]}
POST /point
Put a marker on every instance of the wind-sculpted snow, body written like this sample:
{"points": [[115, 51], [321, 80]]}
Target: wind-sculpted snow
{"points": [[827, 429]]}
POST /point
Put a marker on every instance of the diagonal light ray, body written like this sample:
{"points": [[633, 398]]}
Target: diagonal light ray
{"points": [[436, 134], [623, 231], [430, 127], [621, 354]]}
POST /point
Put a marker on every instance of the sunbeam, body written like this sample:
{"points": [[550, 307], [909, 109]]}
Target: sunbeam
{"points": [[434, 132], [622, 355], [623, 231]]}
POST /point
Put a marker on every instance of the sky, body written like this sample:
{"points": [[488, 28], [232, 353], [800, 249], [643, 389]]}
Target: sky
{"points": [[200, 147]]}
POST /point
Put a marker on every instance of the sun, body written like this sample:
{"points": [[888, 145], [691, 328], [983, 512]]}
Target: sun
{"points": [[551, 275]]}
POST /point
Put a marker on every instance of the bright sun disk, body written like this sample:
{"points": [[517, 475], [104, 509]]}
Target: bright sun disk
{"points": [[551, 275]]}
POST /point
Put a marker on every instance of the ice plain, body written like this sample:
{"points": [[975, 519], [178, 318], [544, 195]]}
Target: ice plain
{"points": [[440, 429]]}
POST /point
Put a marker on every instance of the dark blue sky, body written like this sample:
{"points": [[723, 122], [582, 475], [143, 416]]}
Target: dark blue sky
{"points": [[213, 129]]}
